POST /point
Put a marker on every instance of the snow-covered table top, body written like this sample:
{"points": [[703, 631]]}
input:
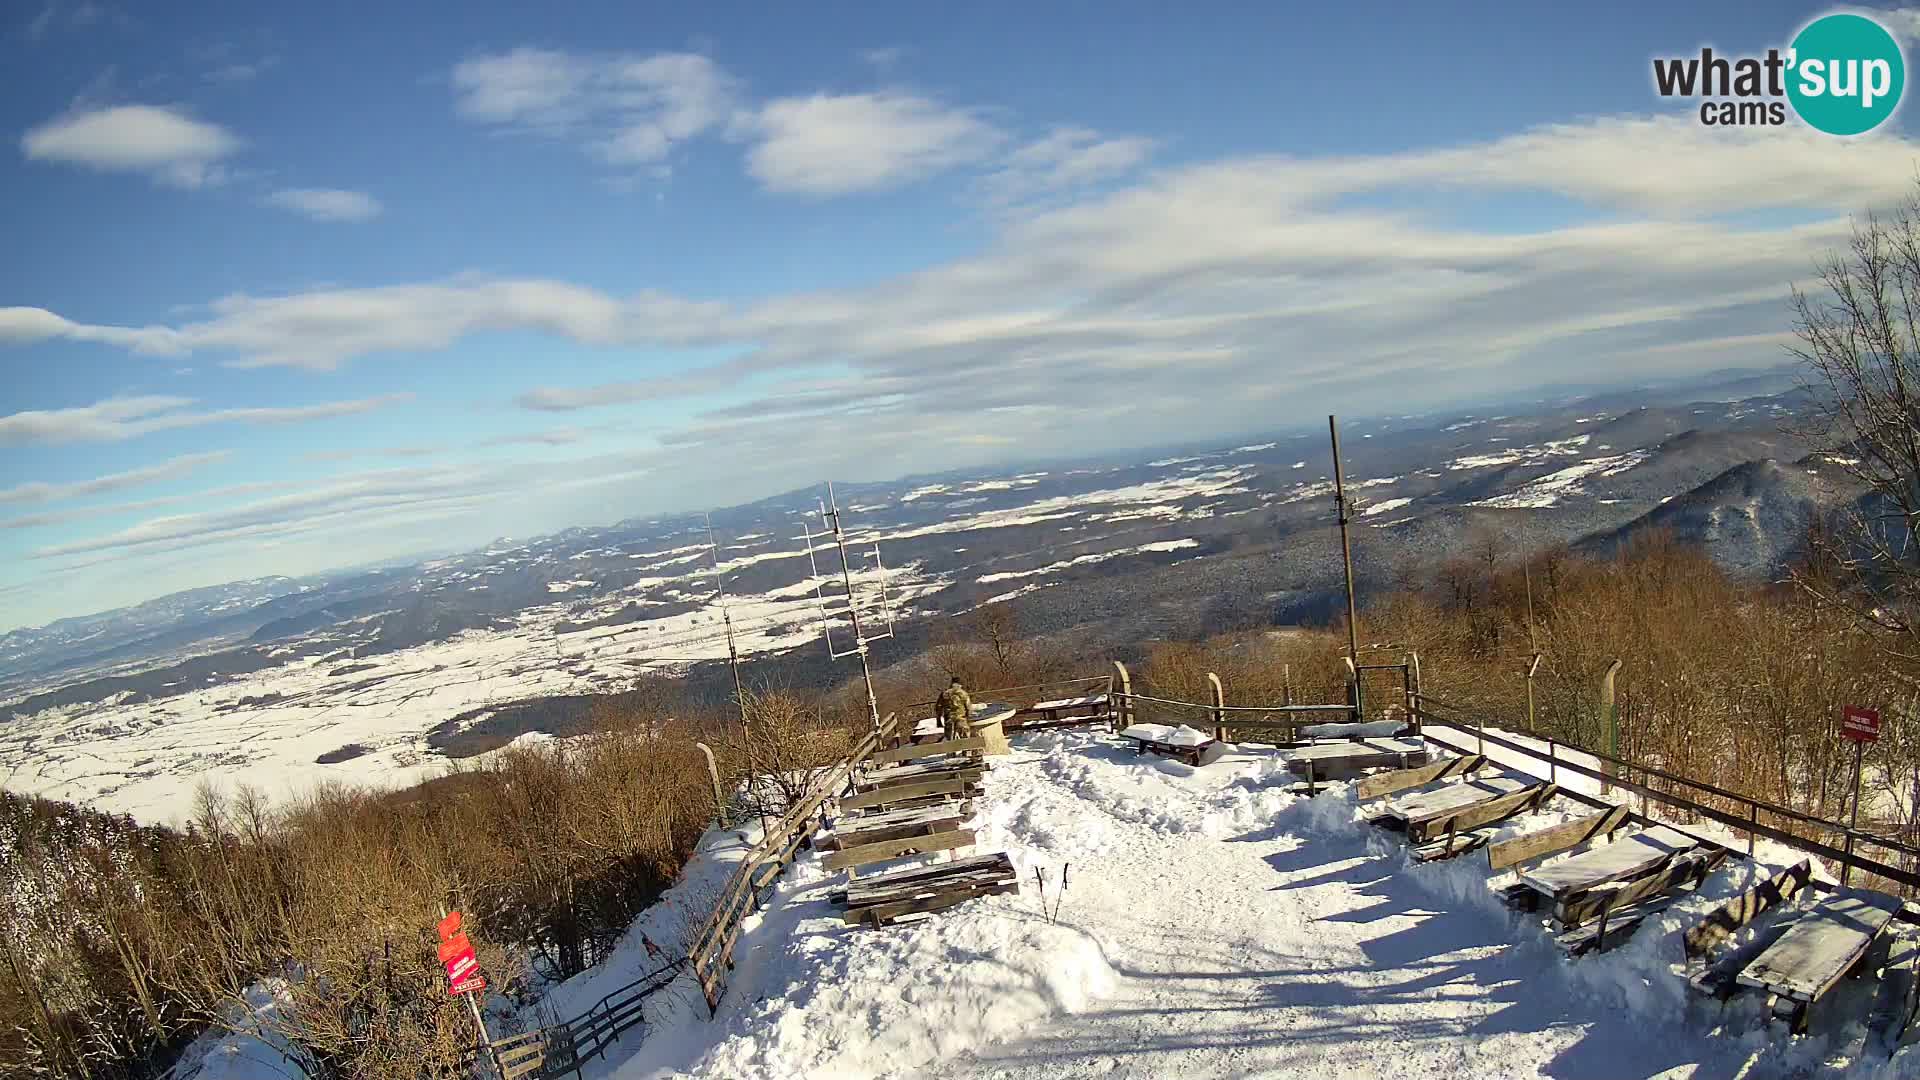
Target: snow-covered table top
{"points": [[1425, 806], [1167, 734], [1815, 951], [1372, 748], [1625, 857], [1068, 703], [1370, 729]]}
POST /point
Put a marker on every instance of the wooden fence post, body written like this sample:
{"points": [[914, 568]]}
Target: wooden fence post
{"points": [[1353, 688], [713, 774], [1123, 701], [1219, 707], [1610, 718]]}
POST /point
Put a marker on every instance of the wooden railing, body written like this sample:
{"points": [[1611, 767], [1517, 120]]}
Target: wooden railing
{"points": [[711, 953]]}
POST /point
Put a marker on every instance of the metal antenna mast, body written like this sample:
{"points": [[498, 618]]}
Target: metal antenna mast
{"points": [[1346, 560], [739, 690], [726, 617], [830, 514]]}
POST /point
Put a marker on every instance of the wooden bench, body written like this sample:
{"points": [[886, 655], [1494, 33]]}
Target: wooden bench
{"points": [[920, 773], [1350, 760], [881, 900], [1062, 712], [894, 825], [1817, 950], [1627, 858], [1180, 743], [1455, 808]]}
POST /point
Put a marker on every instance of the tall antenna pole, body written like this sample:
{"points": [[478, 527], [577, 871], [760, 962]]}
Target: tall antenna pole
{"points": [[726, 616], [1346, 561], [739, 691], [832, 516]]}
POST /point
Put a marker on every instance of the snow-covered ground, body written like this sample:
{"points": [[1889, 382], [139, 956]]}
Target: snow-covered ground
{"points": [[370, 718], [1212, 925]]}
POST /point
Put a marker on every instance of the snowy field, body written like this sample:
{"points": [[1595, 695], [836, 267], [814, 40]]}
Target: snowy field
{"points": [[1212, 925], [368, 721]]}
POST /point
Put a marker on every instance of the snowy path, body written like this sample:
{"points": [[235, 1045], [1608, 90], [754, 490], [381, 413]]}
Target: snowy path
{"points": [[1214, 926]]}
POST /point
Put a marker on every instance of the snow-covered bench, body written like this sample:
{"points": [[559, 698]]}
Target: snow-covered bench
{"points": [[1182, 743], [1062, 712]]}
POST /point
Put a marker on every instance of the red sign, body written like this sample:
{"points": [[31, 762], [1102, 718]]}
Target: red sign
{"points": [[456, 952], [1860, 725]]}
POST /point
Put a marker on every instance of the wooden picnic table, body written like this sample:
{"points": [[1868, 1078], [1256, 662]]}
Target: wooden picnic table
{"points": [[1627, 857], [969, 768], [1823, 945], [894, 825], [1182, 743], [1061, 711], [1437, 803], [924, 881], [1346, 760]]}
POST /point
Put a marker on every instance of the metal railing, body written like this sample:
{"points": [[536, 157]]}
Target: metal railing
{"points": [[1742, 813]]}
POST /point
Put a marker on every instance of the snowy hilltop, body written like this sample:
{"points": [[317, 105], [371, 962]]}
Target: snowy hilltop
{"points": [[1214, 922]]}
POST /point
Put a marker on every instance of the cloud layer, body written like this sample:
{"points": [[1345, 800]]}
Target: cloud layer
{"points": [[162, 142]]}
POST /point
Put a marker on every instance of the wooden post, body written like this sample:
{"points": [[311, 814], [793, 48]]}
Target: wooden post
{"points": [[1309, 778], [1123, 701], [1413, 695], [1553, 766], [1219, 707], [1286, 684], [1353, 688], [1610, 717], [713, 774], [1846, 866]]}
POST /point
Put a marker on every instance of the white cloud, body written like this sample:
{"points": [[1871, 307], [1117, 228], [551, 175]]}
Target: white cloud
{"points": [[128, 417], [1066, 158], [838, 144], [626, 109], [162, 142], [327, 204], [173, 468]]}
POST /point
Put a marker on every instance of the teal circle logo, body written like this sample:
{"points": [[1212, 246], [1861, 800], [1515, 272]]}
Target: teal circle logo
{"points": [[1847, 74]]}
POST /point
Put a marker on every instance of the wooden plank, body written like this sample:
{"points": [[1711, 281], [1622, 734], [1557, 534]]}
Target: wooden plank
{"points": [[920, 775], [905, 792], [873, 817], [1630, 856], [1485, 812], [867, 854], [1452, 846], [853, 838], [1373, 787], [1685, 868], [1812, 956], [1735, 914], [1449, 799], [854, 896], [882, 914], [1351, 760], [915, 752], [993, 860], [1556, 839], [894, 824]]}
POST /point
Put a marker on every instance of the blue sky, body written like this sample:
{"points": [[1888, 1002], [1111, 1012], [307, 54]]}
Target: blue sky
{"points": [[293, 287]]}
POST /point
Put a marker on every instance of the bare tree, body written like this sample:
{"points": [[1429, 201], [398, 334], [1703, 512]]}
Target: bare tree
{"points": [[1859, 339]]}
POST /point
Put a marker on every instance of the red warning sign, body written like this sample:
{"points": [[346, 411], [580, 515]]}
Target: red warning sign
{"points": [[456, 952], [1860, 725]]}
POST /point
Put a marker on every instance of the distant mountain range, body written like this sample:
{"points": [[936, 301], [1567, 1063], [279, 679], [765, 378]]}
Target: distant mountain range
{"points": [[1178, 543]]}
